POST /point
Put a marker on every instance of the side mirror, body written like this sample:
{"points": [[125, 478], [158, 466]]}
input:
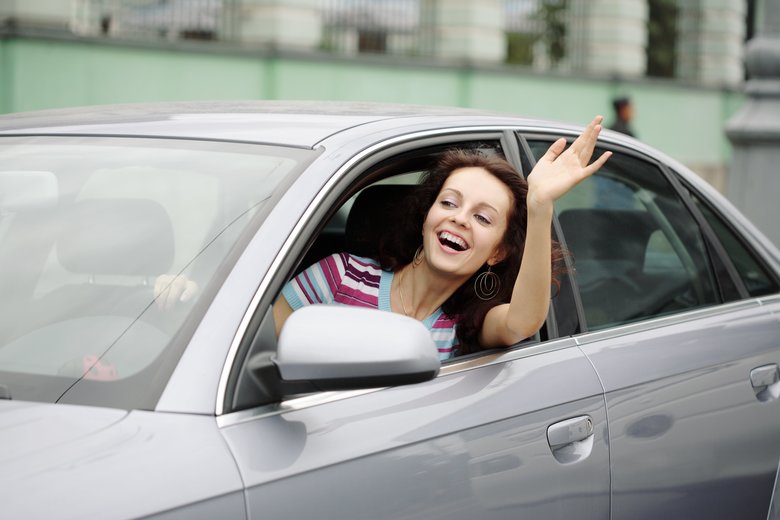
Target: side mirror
{"points": [[339, 347]]}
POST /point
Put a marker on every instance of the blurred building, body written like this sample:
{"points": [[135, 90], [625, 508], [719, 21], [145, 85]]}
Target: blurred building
{"points": [[693, 40], [681, 61]]}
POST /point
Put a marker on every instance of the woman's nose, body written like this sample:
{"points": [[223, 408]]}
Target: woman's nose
{"points": [[460, 218]]}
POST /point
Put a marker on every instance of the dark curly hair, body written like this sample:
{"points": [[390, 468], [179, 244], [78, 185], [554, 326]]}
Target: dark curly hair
{"points": [[398, 247]]}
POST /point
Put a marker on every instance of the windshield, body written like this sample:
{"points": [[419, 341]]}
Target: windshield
{"points": [[87, 228]]}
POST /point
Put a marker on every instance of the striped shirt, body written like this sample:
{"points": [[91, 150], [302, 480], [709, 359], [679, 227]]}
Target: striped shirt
{"points": [[353, 280]]}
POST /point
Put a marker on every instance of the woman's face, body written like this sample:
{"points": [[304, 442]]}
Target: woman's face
{"points": [[466, 224]]}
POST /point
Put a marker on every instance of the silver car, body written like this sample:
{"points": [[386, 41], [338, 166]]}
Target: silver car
{"points": [[652, 391]]}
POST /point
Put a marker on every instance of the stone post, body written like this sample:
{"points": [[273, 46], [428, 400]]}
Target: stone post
{"points": [[710, 41], [754, 131], [464, 30], [607, 37], [291, 24]]}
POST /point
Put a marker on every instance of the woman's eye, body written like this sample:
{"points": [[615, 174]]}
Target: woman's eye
{"points": [[447, 203], [482, 219]]}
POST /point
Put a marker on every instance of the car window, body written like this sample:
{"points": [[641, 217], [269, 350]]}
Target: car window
{"points": [[368, 215], [87, 227], [382, 188], [353, 219], [637, 251], [755, 277]]}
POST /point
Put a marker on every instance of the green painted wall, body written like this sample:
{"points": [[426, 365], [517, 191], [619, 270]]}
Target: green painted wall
{"points": [[685, 122], [45, 74]]}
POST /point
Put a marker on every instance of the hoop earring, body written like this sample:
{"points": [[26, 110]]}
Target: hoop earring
{"points": [[418, 256], [487, 284]]}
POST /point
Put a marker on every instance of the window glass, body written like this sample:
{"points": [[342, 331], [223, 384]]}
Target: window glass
{"points": [[637, 251], [87, 228], [756, 279]]}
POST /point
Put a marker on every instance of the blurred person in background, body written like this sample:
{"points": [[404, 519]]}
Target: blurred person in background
{"points": [[624, 113]]}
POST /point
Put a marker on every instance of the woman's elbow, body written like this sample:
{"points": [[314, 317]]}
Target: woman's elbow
{"points": [[522, 331]]}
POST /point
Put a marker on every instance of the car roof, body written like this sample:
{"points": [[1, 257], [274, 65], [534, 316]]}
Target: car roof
{"points": [[300, 123]]}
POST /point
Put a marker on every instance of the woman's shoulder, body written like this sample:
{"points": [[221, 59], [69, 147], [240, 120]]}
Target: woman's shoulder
{"points": [[354, 261], [343, 263]]}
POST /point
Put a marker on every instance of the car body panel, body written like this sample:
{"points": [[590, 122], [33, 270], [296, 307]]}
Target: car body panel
{"points": [[296, 124], [681, 406], [64, 461], [471, 444], [774, 506], [253, 123]]}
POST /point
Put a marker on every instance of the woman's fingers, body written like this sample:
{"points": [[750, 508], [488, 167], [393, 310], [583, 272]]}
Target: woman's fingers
{"points": [[554, 150], [561, 168], [161, 286], [168, 294], [597, 164], [190, 290], [582, 147], [585, 143], [170, 290]]}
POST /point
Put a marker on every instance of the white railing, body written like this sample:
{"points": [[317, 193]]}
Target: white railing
{"points": [[155, 19], [546, 35]]}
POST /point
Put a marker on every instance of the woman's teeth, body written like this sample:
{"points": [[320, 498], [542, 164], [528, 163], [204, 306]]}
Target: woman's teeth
{"points": [[452, 241]]}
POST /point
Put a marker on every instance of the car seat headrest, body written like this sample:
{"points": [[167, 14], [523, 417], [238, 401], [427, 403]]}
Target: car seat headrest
{"points": [[374, 211], [116, 236], [607, 234]]}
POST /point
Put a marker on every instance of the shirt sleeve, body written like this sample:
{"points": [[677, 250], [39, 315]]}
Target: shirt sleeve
{"points": [[318, 283]]}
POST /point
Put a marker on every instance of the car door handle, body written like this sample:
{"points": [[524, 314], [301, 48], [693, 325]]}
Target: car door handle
{"points": [[766, 382], [569, 431], [571, 440]]}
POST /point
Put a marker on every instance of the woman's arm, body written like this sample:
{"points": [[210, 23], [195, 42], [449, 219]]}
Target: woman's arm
{"points": [[282, 311], [558, 171]]}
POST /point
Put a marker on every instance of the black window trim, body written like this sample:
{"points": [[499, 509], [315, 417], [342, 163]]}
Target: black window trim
{"points": [[552, 320], [713, 244], [713, 237]]}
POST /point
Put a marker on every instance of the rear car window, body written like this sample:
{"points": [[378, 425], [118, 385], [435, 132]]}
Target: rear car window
{"points": [[754, 276], [637, 251]]}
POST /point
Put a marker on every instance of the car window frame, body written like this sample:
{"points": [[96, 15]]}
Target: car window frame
{"points": [[346, 182], [567, 299], [714, 247], [715, 242]]}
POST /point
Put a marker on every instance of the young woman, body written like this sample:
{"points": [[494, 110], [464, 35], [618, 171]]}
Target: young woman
{"points": [[474, 261]]}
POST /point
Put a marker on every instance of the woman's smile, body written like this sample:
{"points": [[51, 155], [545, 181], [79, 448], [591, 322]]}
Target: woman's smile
{"points": [[453, 242]]}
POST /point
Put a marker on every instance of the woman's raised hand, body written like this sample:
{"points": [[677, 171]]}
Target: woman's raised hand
{"points": [[561, 168]]}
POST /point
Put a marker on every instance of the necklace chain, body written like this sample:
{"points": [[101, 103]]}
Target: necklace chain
{"points": [[401, 294]]}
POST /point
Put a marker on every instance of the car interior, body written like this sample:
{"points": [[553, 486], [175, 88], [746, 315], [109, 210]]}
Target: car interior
{"points": [[368, 218], [610, 247], [102, 238], [357, 225]]}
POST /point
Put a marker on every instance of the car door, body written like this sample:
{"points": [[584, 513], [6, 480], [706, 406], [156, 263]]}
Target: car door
{"points": [[517, 433], [688, 358]]}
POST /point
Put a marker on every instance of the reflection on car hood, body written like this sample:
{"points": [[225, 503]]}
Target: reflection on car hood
{"points": [[27, 428], [66, 461]]}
